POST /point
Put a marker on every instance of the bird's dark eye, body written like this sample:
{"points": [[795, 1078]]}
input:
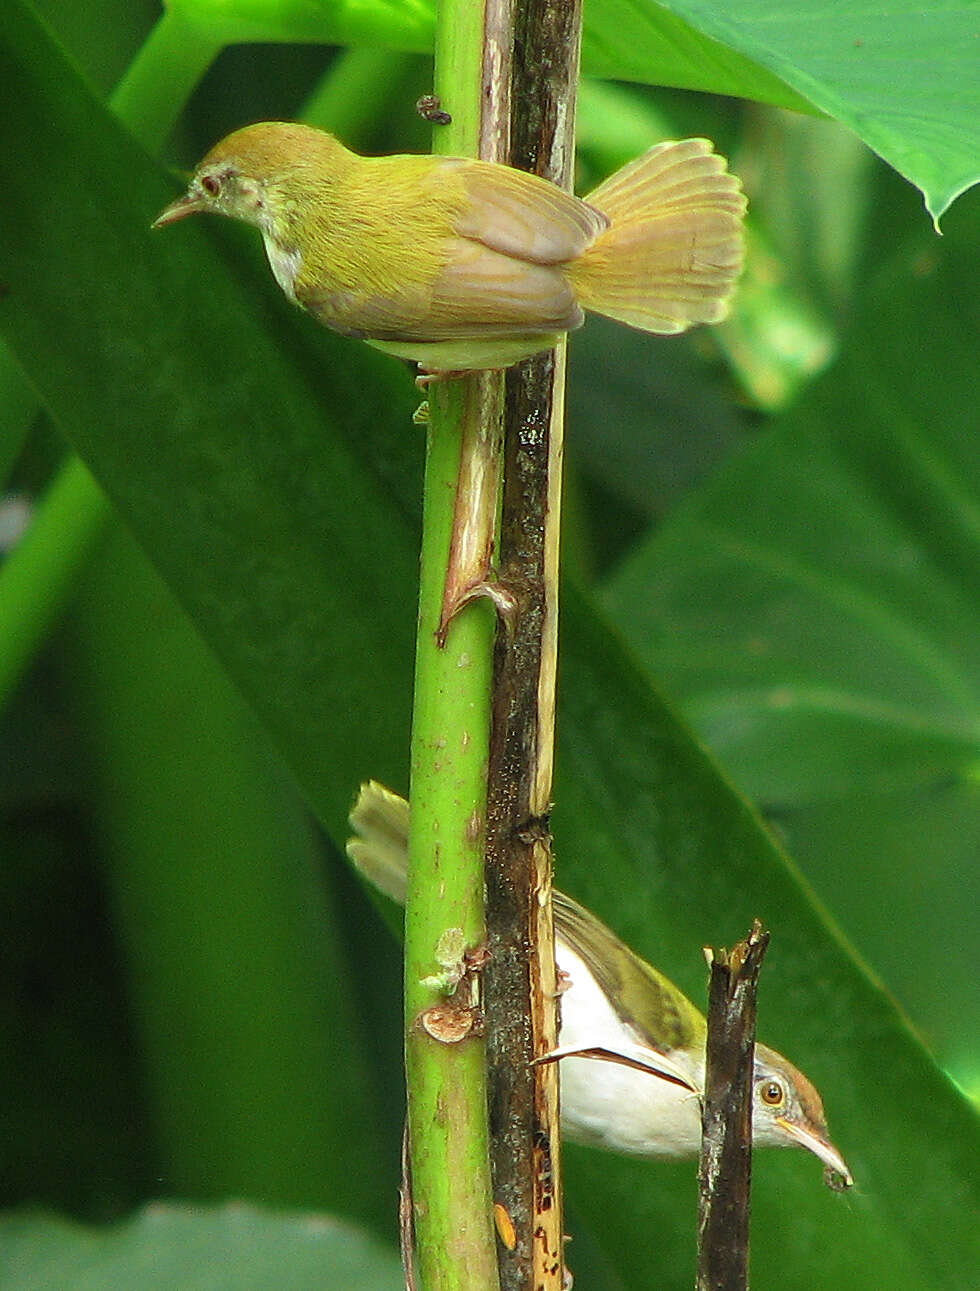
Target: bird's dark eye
{"points": [[771, 1093], [211, 185]]}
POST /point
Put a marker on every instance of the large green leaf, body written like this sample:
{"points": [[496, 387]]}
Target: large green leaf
{"points": [[815, 603], [229, 450], [258, 488], [170, 1247], [815, 607], [650, 835], [915, 866], [647, 42], [900, 74]]}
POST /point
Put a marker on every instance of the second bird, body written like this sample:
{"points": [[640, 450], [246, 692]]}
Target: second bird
{"points": [[616, 1006], [459, 264]]}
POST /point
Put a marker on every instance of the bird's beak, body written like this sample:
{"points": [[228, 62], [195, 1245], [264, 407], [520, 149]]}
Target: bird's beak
{"points": [[827, 1153], [189, 204]]}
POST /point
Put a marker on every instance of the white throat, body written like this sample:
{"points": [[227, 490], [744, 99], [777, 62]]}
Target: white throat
{"points": [[285, 265]]}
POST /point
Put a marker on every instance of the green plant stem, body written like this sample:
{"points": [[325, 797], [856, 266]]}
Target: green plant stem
{"points": [[447, 1098], [398, 26], [447, 1093]]}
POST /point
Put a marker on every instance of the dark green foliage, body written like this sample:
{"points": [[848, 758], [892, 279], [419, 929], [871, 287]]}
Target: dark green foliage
{"points": [[196, 1001]]}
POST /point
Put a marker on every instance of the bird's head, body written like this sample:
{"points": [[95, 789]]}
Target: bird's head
{"points": [[787, 1112], [259, 172]]}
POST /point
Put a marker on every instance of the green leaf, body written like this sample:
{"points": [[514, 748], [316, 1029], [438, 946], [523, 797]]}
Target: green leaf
{"points": [[626, 41], [814, 607], [650, 835], [168, 1247], [915, 868], [900, 74], [236, 454]]}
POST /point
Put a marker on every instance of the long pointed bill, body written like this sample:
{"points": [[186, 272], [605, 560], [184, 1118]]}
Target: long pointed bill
{"points": [[189, 204], [837, 1175]]}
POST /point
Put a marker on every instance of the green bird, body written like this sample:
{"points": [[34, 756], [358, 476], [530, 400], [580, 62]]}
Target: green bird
{"points": [[646, 1100], [459, 264]]}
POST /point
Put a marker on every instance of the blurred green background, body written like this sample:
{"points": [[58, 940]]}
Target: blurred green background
{"points": [[770, 542]]}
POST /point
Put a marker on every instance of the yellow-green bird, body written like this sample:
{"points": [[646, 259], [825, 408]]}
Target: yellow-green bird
{"points": [[459, 264], [617, 1004]]}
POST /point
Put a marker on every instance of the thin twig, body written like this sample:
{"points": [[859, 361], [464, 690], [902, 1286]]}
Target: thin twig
{"points": [[726, 1147]]}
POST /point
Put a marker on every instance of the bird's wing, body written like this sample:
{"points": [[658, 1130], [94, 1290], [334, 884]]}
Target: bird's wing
{"points": [[365, 310], [525, 217], [379, 849], [477, 293], [484, 292], [658, 1012], [503, 272]]}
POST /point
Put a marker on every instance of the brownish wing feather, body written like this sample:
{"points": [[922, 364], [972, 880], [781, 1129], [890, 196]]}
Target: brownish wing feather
{"points": [[525, 217]]}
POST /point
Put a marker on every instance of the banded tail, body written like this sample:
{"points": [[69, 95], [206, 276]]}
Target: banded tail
{"points": [[674, 247]]}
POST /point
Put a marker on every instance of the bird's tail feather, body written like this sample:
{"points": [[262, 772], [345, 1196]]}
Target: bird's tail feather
{"points": [[674, 246], [379, 851]]}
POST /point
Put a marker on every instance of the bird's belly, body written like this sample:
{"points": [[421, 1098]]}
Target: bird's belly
{"points": [[469, 355], [625, 1110], [604, 1102]]}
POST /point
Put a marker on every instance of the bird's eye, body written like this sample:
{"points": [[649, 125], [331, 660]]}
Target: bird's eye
{"points": [[211, 185], [772, 1093]]}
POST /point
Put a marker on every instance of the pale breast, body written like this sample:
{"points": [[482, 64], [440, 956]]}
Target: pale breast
{"points": [[608, 1104]]}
